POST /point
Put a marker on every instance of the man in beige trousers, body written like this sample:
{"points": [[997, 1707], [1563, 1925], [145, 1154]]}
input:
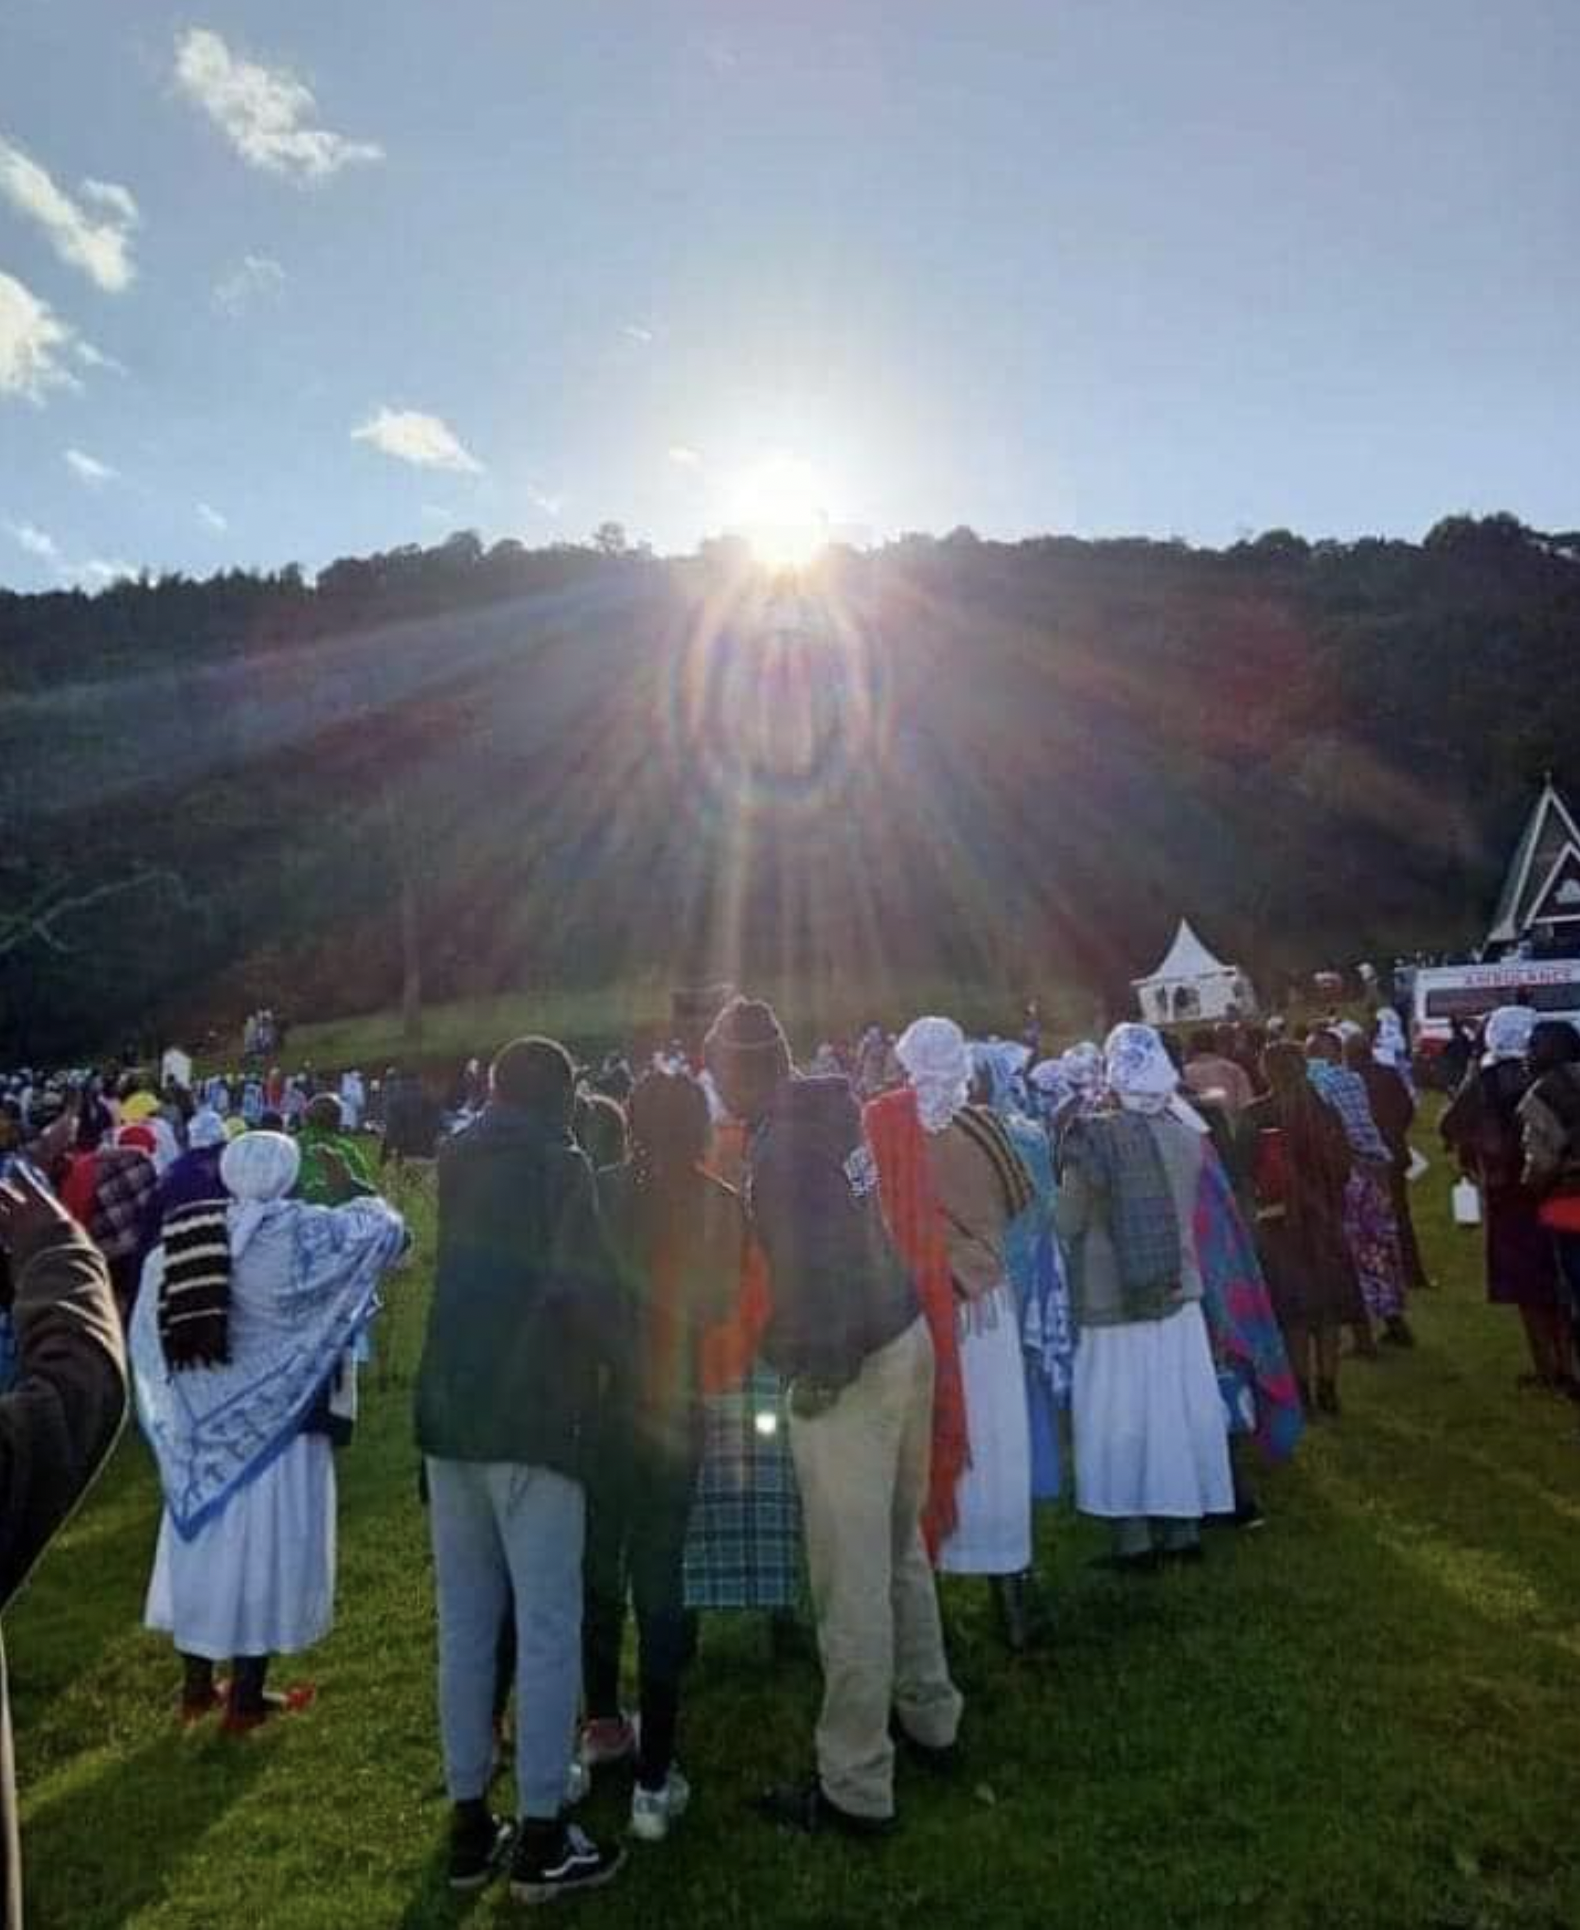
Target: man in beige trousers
{"points": [[848, 1334]]}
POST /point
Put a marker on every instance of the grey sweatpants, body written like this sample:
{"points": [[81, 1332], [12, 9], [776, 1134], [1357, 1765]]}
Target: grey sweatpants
{"points": [[498, 1529]]}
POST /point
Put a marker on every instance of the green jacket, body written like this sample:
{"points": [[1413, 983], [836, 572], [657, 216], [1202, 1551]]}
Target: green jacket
{"points": [[520, 1320]]}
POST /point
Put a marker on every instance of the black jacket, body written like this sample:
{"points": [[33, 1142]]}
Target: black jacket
{"points": [[840, 1291], [58, 1423], [520, 1316]]}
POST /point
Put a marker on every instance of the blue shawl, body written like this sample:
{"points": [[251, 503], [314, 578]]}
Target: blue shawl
{"points": [[304, 1285], [1247, 1342], [1042, 1295]]}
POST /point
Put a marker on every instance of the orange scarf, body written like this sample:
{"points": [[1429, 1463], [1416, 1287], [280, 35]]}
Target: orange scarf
{"points": [[916, 1225], [725, 1356]]}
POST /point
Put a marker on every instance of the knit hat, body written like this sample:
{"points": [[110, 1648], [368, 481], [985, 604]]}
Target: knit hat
{"points": [[748, 1054]]}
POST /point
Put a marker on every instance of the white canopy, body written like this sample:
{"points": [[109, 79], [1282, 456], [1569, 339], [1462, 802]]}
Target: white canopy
{"points": [[1191, 983]]}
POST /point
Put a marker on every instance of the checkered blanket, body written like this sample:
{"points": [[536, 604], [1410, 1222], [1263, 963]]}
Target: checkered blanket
{"points": [[744, 1545]]}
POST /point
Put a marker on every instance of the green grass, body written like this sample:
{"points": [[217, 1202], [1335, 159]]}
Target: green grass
{"points": [[593, 1018], [1364, 1716]]}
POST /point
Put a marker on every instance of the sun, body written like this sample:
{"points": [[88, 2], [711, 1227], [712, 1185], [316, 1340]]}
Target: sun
{"points": [[780, 506]]}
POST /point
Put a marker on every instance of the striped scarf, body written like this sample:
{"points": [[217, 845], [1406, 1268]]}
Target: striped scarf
{"points": [[194, 1289]]}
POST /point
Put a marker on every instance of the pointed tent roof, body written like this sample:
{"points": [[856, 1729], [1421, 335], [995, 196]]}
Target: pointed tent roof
{"points": [[1550, 837], [1188, 958]]}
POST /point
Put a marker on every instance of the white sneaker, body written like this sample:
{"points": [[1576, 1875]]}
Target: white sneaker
{"points": [[653, 1810]]}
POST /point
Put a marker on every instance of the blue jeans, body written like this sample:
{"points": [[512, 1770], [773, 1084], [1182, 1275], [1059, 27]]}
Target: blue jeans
{"points": [[501, 1529]]}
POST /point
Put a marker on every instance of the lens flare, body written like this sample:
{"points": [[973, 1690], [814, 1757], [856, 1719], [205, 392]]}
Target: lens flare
{"points": [[781, 506]]}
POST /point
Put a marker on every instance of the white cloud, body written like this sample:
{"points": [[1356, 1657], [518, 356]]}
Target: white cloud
{"points": [[540, 499], [88, 468], [264, 112], [37, 542], [111, 195], [209, 515], [33, 340], [634, 332], [94, 358], [100, 246], [684, 456], [256, 278], [411, 436]]}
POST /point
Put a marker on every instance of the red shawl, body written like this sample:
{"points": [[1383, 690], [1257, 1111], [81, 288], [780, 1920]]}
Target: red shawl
{"points": [[916, 1225]]}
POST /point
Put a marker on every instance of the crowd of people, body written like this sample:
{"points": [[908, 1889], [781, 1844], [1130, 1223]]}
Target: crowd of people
{"points": [[709, 1332]]}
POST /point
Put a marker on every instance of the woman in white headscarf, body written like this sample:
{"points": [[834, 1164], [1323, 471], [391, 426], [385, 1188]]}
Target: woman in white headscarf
{"points": [[979, 1185], [245, 1567], [1151, 1439]]}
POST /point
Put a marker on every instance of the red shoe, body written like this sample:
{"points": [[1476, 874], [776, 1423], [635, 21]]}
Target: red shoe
{"points": [[190, 1714], [605, 1740], [242, 1722]]}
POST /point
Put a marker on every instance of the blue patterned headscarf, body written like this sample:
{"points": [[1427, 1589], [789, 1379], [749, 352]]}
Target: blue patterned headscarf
{"points": [[1002, 1064]]}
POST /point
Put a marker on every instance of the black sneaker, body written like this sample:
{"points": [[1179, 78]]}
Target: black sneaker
{"points": [[557, 1859], [804, 1807], [479, 1844], [938, 1759]]}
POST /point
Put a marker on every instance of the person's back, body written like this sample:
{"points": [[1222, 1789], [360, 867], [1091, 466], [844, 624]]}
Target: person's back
{"points": [[1550, 1118], [840, 1290], [504, 1399], [506, 1370], [847, 1327]]}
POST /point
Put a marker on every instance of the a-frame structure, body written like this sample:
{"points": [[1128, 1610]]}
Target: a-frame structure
{"points": [[1541, 894]]}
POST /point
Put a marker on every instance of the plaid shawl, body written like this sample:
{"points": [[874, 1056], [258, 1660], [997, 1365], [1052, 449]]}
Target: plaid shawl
{"points": [[1119, 1159], [916, 1225], [1239, 1315], [125, 1201], [1345, 1092]]}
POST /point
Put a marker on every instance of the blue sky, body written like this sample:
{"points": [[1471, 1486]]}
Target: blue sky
{"points": [[1097, 266]]}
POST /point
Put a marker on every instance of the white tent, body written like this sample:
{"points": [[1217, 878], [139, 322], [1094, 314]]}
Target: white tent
{"points": [[1192, 984]]}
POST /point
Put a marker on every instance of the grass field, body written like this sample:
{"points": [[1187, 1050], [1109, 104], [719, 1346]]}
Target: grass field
{"points": [[1366, 1715], [592, 1018]]}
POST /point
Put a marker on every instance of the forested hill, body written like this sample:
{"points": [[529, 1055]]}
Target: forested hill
{"points": [[1014, 762]]}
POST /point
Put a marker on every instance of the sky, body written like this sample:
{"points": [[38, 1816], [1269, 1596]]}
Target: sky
{"points": [[282, 281]]}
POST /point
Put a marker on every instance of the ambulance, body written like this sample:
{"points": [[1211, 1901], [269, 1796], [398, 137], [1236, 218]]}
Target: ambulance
{"points": [[1443, 993]]}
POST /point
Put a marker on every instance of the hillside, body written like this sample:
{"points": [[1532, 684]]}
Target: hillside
{"points": [[1002, 764]]}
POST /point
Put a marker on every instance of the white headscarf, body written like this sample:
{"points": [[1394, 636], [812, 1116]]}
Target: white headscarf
{"points": [[1083, 1067], [258, 1169], [937, 1062], [206, 1129], [1143, 1077], [1509, 1032], [1053, 1091]]}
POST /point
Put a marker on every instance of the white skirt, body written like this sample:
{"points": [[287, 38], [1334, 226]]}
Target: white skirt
{"points": [[259, 1579], [1151, 1437], [993, 1535]]}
